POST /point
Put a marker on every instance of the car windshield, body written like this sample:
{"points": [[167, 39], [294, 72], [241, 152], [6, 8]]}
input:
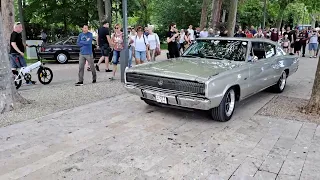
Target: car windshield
{"points": [[61, 41], [232, 50]]}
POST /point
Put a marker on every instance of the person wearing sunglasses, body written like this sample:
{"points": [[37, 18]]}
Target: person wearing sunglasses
{"points": [[172, 40], [140, 47], [117, 43]]}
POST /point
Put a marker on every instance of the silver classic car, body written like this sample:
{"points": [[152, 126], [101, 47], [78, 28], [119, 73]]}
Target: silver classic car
{"points": [[213, 74]]}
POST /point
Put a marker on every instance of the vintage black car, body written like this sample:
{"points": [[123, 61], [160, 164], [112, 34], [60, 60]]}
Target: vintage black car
{"points": [[65, 49]]}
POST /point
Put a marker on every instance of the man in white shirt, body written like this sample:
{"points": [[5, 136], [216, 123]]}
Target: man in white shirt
{"points": [[191, 32], [204, 33]]}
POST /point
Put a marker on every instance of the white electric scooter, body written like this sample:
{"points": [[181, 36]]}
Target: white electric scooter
{"points": [[45, 74]]}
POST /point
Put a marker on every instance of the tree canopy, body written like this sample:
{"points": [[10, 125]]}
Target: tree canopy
{"points": [[65, 16]]}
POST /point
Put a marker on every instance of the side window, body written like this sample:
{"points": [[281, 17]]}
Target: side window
{"points": [[258, 50], [270, 50], [71, 41]]}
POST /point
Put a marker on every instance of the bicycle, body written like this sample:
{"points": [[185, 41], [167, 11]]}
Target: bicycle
{"points": [[44, 73]]}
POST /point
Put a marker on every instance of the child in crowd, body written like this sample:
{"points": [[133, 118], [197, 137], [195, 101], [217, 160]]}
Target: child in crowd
{"points": [[285, 44]]}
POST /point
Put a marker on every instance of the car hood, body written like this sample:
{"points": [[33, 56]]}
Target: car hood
{"points": [[195, 69]]}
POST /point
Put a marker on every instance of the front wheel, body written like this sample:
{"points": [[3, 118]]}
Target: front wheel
{"points": [[45, 75], [17, 80], [281, 84], [226, 108]]}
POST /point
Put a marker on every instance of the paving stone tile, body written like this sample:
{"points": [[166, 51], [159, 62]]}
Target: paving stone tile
{"points": [[272, 165], [248, 168], [264, 175]]}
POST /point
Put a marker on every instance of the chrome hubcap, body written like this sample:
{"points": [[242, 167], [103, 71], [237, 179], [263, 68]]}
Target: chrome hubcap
{"points": [[62, 58], [283, 80], [230, 102]]}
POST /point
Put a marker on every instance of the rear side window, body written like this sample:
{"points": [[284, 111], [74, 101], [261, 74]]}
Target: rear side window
{"points": [[258, 50], [263, 50], [270, 50]]}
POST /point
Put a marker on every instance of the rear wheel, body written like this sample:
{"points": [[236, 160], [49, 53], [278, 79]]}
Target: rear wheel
{"points": [[281, 84], [62, 57], [226, 108], [45, 75]]}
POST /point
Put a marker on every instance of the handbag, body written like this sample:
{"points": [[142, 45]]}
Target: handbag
{"points": [[157, 50]]}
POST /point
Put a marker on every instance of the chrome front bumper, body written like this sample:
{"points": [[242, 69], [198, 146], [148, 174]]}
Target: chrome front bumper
{"points": [[174, 98]]}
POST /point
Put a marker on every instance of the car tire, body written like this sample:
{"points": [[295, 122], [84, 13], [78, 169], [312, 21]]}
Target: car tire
{"points": [[226, 108], [149, 102], [281, 84], [62, 57]]}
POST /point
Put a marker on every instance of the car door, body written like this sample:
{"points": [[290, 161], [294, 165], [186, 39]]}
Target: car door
{"points": [[261, 70]]}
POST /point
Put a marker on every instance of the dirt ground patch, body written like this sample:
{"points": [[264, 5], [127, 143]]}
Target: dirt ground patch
{"points": [[287, 108]]}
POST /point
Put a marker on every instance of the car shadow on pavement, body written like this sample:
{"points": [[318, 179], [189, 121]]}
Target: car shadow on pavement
{"points": [[246, 108]]}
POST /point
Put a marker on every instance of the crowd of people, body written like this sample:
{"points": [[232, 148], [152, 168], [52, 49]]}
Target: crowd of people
{"points": [[144, 44], [293, 41]]}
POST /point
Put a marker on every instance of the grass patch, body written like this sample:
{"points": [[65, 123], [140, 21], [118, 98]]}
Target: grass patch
{"points": [[164, 46]]}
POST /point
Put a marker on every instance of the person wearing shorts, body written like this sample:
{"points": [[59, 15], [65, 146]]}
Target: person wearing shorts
{"points": [[313, 44], [140, 50], [117, 42], [103, 43], [16, 54]]}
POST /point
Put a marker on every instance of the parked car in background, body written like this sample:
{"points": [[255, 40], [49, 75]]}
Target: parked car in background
{"points": [[213, 74], [65, 49]]}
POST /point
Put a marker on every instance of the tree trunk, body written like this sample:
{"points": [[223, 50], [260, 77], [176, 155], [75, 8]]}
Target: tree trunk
{"points": [[9, 96], [216, 12], [203, 20], [232, 17], [100, 10], [224, 16], [280, 16], [313, 20], [108, 11], [24, 37], [7, 10], [6, 86], [314, 103]]}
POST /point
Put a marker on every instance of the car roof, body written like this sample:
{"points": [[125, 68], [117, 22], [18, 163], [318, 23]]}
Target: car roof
{"points": [[240, 39]]}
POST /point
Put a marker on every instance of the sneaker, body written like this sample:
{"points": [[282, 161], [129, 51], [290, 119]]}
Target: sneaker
{"points": [[79, 84], [94, 81], [97, 67], [303, 56], [111, 78], [314, 56], [108, 70]]}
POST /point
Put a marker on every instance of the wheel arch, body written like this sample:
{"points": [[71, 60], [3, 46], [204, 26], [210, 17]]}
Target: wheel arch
{"points": [[237, 90]]}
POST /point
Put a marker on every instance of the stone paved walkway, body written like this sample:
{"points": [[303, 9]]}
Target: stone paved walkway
{"points": [[122, 138]]}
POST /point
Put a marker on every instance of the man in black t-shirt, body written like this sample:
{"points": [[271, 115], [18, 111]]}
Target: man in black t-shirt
{"points": [[172, 39], [290, 37], [103, 41], [17, 48]]}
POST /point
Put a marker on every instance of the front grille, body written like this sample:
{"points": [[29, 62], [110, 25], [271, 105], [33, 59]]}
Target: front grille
{"points": [[166, 83]]}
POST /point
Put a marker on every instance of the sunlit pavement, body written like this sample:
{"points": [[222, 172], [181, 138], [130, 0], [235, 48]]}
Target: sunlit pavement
{"points": [[123, 138]]}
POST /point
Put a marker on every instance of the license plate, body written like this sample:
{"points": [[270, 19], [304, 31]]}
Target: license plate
{"points": [[161, 99]]}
